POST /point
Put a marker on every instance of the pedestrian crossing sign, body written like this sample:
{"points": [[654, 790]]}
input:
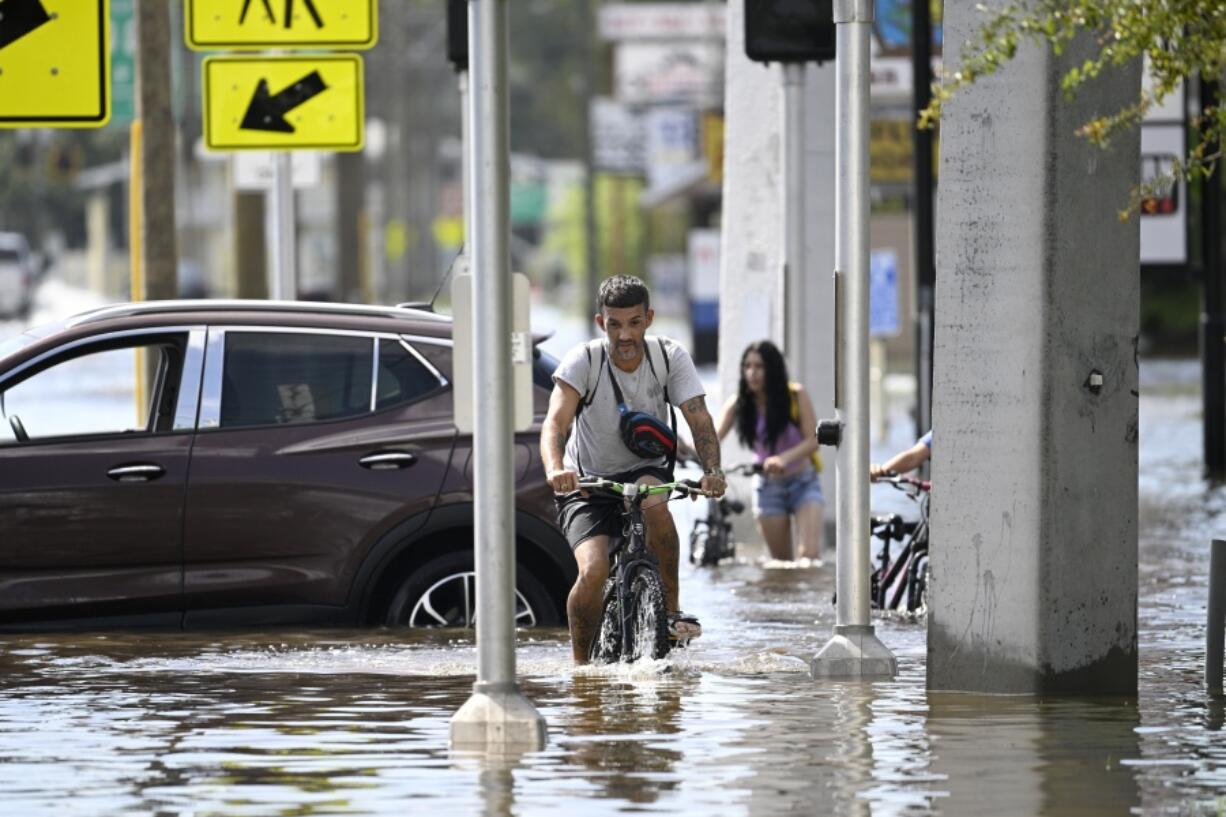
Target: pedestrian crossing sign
{"points": [[252, 25], [55, 61]]}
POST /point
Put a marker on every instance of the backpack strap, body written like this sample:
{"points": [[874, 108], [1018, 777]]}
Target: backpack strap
{"points": [[672, 413], [587, 397], [794, 415]]}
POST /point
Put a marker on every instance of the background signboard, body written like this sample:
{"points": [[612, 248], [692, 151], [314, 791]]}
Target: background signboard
{"points": [[679, 71], [1164, 218], [672, 145], [55, 63], [883, 318], [123, 62], [637, 21], [259, 24], [257, 169], [284, 103], [617, 137]]}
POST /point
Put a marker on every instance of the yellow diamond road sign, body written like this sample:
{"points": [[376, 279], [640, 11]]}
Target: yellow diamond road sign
{"points": [[284, 103], [255, 24], [55, 63]]}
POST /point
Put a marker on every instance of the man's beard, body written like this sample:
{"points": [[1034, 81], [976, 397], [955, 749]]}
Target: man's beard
{"points": [[627, 352]]}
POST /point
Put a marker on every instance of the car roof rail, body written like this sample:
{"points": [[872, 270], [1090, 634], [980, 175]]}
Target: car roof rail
{"points": [[240, 305]]}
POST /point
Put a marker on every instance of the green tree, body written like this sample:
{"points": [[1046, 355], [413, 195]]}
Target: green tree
{"points": [[1182, 39]]}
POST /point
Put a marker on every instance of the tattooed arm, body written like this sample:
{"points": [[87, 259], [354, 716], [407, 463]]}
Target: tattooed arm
{"points": [[563, 403], [706, 442]]}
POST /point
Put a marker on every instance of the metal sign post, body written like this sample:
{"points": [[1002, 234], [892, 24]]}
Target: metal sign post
{"points": [[284, 284], [497, 716], [793, 214], [854, 651]]}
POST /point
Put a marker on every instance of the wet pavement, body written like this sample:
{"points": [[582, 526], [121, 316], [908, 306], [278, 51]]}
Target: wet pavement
{"points": [[294, 723]]}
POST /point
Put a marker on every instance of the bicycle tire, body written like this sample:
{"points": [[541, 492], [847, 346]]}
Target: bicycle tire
{"points": [[714, 547], [607, 643], [646, 615], [917, 585], [698, 543]]}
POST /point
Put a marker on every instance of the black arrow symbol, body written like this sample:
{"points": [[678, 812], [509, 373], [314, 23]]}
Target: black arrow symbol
{"points": [[19, 17], [267, 112]]}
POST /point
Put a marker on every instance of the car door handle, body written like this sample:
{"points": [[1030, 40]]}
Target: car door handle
{"points": [[388, 460], [143, 472]]}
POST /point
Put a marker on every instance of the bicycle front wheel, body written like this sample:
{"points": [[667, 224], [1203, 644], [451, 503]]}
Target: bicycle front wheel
{"points": [[646, 618], [607, 645]]}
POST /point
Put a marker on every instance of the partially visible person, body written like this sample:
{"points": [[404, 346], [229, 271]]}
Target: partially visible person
{"points": [[904, 461], [598, 387], [774, 417]]}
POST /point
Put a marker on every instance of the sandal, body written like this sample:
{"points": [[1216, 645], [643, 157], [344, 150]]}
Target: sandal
{"points": [[683, 627]]}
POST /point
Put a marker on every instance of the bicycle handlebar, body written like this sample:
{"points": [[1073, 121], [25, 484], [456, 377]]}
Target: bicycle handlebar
{"points": [[898, 480], [686, 487]]}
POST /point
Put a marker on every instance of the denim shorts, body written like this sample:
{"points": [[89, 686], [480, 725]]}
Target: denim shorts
{"points": [[784, 495]]}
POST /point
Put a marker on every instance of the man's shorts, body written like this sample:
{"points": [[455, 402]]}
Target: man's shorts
{"points": [[582, 518], [783, 495]]}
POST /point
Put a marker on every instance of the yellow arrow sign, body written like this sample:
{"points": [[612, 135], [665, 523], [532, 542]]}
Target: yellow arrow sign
{"points": [[255, 24], [55, 60], [284, 103]]}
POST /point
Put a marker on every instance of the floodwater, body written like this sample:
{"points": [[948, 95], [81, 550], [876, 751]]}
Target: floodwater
{"points": [[314, 723]]}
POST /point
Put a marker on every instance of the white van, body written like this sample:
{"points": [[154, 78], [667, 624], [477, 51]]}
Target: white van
{"points": [[16, 275]]}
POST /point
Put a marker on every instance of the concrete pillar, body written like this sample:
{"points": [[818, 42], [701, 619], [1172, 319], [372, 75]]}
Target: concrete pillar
{"points": [[751, 288], [1034, 516]]}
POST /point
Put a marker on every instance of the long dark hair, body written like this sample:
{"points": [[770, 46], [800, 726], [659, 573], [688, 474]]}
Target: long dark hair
{"points": [[778, 397]]}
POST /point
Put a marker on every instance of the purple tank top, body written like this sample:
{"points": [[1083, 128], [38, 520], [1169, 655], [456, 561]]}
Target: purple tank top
{"points": [[788, 438]]}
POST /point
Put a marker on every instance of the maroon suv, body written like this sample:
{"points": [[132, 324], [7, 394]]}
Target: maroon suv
{"points": [[239, 463]]}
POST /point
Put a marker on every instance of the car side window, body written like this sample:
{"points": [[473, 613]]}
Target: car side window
{"points": [[274, 378], [124, 390], [402, 376]]}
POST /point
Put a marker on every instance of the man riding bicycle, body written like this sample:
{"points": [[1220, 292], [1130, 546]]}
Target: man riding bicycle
{"points": [[618, 391]]}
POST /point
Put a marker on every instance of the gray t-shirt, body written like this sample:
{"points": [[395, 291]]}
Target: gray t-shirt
{"points": [[595, 444]]}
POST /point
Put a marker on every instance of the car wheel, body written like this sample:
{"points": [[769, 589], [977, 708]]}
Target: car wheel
{"points": [[443, 593]]}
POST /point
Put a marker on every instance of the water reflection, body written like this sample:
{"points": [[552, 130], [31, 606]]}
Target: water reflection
{"points": [[1048, 757]]}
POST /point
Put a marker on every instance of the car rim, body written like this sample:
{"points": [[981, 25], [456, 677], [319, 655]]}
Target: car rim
{"points": [[452, 602]]}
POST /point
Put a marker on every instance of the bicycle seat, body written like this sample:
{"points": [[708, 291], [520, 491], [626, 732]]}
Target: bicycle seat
{"points": [[734, 505]]}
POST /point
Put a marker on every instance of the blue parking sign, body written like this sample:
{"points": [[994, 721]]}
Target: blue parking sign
{"points": [[883, 293]]}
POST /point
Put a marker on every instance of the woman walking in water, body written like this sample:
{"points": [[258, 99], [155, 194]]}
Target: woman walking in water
{"points": [[775, 419]]}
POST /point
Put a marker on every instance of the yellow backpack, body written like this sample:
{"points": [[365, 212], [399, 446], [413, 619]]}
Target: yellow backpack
{"points": [[794, 415]]}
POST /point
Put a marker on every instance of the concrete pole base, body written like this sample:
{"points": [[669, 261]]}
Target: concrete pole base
{"points": [[853, 652], [498, 717]]}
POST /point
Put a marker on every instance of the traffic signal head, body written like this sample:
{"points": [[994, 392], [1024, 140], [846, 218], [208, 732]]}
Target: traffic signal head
{"points": [[789, 30], [457, 33]]}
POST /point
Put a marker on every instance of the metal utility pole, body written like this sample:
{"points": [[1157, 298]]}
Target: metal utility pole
{"points": [[284, 286], [854, 650], [466, 168], [1213, 322], [925, 261], [158, 250], [497, 715], [457, 53], [587, 25], [793, 188]]}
